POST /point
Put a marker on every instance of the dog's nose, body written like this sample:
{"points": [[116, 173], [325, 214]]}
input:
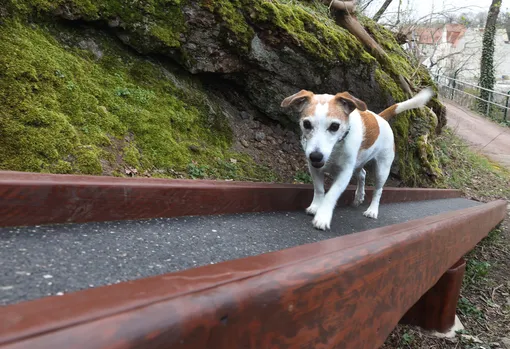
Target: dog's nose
{"points": [[316, 156]]}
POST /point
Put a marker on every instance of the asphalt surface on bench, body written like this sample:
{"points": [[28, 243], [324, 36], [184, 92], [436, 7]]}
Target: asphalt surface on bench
{"points": [[51, 260]]}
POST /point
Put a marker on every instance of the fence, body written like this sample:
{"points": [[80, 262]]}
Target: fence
{"points": [[469, 95]]}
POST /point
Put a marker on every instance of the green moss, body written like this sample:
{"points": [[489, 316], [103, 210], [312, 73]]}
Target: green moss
{"points": [[427, 157], [231, 14], [132, 156], [318, 35], [64, 112], [397, 61], [162, 19], [388, 85]]}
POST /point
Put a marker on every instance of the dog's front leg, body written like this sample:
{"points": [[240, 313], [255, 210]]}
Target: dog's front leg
{"points": [[318, 189], [324, 214]]}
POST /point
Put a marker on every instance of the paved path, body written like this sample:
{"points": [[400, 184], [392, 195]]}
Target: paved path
{"points": [[48, 260], [485, 136]]}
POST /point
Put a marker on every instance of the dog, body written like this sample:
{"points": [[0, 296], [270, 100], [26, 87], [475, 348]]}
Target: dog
{"points": [[340, 136]]}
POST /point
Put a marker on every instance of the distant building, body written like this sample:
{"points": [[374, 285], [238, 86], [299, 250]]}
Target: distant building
{"points": [[454, 50]]}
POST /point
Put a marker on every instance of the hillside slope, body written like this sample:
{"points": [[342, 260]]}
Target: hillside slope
{"points": [[186, 88]]}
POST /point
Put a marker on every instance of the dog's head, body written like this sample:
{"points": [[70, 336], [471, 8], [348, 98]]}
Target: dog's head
{"points": [[324, 121]]}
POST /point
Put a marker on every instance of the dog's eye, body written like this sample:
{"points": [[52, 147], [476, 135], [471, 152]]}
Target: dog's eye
{"points": [[307, 124], [334, 127]]}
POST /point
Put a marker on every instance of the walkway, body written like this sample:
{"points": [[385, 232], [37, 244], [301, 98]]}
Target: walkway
{"points": [[485, 136], [55, 259]]}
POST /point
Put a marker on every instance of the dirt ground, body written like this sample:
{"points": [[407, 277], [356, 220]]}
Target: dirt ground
{"points": [[483, 135]]}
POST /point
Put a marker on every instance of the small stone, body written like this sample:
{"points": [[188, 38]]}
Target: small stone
{"points": [[245, 115], [286, 147], [471, 338], [260, 136], [282, 161], [91, 46], [47, 276], [114, 22], [194, 148], [245, 143], [505, 342]]}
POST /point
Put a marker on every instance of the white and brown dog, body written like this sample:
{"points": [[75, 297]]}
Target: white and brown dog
{"points": [[340, 136]]}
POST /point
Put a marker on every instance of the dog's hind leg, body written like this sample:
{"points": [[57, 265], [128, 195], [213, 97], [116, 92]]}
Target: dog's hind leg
{"points": [[318, 190], [382, 171], [359, 197]]}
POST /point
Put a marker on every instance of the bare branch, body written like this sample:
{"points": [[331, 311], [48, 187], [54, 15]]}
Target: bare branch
{"points": [[383, 9]]}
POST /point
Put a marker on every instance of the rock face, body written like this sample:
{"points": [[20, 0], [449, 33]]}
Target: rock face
{"points": [[251, 55]]}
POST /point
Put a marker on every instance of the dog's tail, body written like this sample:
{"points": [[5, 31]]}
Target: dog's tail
{"points": [[417, 101]]}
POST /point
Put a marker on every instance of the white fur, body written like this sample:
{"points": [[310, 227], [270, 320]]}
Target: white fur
{"points": [[346, 158], [417, 101]]}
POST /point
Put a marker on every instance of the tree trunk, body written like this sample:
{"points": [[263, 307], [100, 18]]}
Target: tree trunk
{"points": [[381, 11], [487, 75]]}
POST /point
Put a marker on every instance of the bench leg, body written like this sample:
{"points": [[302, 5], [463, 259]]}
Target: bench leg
{"points": [[436, 309]]}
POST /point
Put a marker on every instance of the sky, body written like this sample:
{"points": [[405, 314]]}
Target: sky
{"points": [[424, 7]]}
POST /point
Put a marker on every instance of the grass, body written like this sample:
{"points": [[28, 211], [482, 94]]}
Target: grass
{"points": [[464, 169], [302, 177]]}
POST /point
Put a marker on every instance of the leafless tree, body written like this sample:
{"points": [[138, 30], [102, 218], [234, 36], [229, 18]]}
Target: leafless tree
{"points": [[383, 9]]}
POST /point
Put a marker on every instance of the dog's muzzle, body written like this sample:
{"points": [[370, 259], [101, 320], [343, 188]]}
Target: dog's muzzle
{"points": [[318, 164], [317, 159]]}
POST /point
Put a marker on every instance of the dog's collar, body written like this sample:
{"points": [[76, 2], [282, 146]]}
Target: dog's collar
{"points": [[345, 135]]}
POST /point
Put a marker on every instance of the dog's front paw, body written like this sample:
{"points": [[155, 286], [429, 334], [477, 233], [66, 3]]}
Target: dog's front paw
{"points": [[371, 213], [312, 209], [322, 220]]}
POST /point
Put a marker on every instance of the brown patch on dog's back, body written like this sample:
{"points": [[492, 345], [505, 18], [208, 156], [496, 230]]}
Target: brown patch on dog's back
{"points": [[389, 112], [371, 129]]}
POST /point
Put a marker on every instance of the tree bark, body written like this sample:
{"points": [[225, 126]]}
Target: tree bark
{"points": [[381, 11], [487, 74], [349, 5], [344, 16]]}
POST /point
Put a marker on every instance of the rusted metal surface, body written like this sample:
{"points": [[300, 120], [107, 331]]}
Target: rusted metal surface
{"points": [[346, 292], [33, 199], [436, 309]]}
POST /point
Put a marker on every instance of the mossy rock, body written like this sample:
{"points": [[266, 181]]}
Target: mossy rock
{"points": [[65, 112], [71, 110]]}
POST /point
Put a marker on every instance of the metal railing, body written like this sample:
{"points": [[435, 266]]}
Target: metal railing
{"points": [[468, 95]]}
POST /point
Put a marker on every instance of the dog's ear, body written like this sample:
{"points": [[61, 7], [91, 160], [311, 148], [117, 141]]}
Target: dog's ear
{"points": [[349, 103], [299, 100]]}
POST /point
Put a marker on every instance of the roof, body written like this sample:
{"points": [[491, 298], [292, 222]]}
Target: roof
{"points": [[432, 35]]}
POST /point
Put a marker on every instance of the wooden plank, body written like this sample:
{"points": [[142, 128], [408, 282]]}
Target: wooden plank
{"points": [[35, 199], [346, 292], [436, 309]]}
